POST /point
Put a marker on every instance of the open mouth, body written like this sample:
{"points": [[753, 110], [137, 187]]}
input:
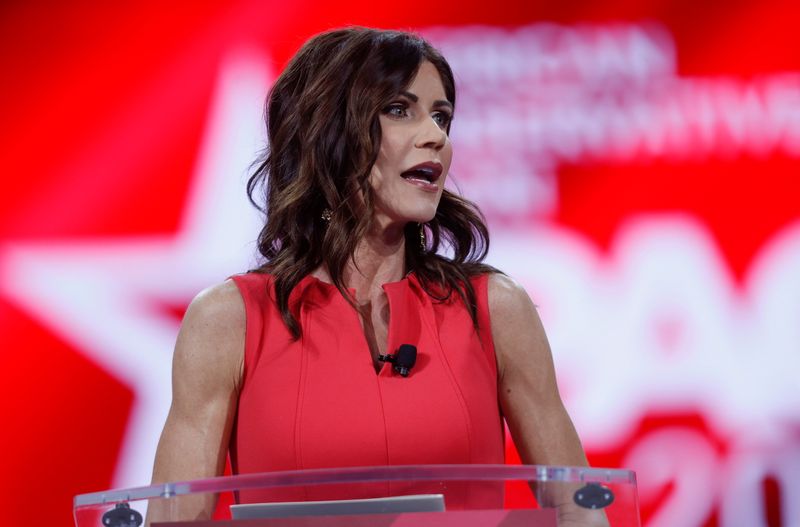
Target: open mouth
{"points": [[426, 173]]}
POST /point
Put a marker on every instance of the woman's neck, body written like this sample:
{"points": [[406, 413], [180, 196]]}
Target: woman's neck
{"points": [[375, 263], [379, 258]]}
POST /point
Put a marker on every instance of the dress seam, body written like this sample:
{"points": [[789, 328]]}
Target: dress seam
{"points": [[385, 429], [301, 388], [458, 392]]}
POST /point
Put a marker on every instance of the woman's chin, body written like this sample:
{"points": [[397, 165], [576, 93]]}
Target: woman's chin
{"points": [[423, 218], [419, 215], [423, 215]]}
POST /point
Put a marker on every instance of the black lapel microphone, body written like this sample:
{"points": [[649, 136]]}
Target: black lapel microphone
{"points": [[403, 360]]}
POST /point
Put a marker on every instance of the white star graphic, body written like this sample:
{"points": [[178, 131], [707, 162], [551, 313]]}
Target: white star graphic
{"points": [[100, 298]]}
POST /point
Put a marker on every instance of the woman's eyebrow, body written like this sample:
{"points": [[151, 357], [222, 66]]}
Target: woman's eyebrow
{"points": [[442, 103], [437, 104]]}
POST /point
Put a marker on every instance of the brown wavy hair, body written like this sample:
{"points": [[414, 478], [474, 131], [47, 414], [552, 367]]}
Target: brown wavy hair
{"points": [[324, 136]]}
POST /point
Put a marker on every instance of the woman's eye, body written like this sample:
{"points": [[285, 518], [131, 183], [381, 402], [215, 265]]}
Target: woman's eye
{"points": [[396, 110], [442, 119]]}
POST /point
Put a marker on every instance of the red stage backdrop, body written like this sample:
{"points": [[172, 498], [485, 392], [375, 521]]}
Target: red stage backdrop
{"points": [[638, 162]]}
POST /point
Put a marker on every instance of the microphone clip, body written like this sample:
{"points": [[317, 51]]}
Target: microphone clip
{"points": [[403, 360]]}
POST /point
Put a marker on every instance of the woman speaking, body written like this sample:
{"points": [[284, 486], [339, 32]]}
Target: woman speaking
{"points": [[366, 258]]}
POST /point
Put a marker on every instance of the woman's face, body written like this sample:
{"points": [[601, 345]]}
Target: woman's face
{"points": [[409, 174]]}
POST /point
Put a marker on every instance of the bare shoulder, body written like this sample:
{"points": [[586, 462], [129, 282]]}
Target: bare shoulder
{"points": [[509, 303], [219, 305], [212, 335], [517, 330], [506, 294]]}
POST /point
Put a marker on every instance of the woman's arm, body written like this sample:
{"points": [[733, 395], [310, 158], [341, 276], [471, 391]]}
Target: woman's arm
{"points": [[542, 431], [206, 374]]}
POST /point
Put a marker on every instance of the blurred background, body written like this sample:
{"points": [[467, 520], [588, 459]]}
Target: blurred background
{"points": [[638, 163]]}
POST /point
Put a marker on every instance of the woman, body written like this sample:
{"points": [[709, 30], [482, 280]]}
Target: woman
{"points": [[283, 366]]}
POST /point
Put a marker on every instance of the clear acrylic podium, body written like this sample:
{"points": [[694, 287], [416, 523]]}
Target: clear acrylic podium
{"points": [[473, 495]]}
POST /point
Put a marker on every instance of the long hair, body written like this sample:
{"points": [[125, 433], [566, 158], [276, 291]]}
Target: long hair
{"points": [[324, 137]]}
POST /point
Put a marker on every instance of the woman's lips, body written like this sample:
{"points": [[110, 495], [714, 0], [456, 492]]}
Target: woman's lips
{"points": [[422, 184], [429, 170], [424, 175]]}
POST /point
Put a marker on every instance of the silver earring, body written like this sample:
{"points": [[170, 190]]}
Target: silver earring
{"points": [[326, 215], [422, 243]]}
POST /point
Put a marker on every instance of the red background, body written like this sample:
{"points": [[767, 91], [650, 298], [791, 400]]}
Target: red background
{"points": [[104, 109]]}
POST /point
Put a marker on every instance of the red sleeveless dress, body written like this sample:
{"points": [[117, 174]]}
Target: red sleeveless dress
{"points": [[317, 402]]}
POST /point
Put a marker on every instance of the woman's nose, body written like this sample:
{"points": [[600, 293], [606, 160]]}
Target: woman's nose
{"points": [[431, 135]]}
